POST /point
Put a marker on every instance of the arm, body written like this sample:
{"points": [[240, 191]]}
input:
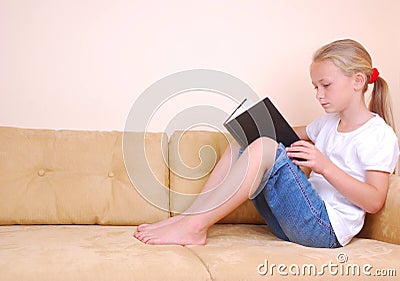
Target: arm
{"points": [[301, 132], [369, 195], [384, 225]]}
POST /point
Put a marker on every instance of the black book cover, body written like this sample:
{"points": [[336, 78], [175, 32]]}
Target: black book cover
{"points": [[260, 119]]}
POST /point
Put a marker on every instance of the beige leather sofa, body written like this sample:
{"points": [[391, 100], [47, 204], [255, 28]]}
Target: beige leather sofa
{"points": [[68, 211]]}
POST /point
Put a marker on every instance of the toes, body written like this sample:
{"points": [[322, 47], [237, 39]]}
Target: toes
{"points": [[138, 235], [142, 236], [147, 240]]}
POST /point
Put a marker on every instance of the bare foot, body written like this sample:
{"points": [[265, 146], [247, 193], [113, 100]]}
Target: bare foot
{"points": [[180, 232], [145, 227]]}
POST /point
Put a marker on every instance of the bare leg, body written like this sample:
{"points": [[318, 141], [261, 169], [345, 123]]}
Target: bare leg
{"points": [[218, 174], [242, 180]]}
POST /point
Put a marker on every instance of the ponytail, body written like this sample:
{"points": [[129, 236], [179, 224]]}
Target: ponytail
{"points": [[381, 103]]}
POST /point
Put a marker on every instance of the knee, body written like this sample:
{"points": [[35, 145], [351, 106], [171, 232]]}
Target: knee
{"points": [[265, 149], [263, 145]]}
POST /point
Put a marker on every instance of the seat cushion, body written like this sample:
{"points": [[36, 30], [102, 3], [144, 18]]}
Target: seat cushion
{"points": [[239, 252], [232, 252], [93, 252]]}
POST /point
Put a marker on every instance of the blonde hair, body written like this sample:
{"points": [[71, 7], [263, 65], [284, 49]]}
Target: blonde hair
{"points": [[351, 57]]}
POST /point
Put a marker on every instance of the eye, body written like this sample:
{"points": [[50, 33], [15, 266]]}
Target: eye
{"points": [[326, 85]]}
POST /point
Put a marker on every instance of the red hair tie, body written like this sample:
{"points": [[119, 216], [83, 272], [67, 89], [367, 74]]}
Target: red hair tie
{"points": [[374, 76]]}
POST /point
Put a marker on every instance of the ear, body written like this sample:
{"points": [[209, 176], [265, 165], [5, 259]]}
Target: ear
{"points": [[359, 81]]}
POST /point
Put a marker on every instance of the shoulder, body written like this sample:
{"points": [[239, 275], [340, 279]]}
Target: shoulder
{"points": [[378, 130], [325, 119], [377, 145], [323, 122]]}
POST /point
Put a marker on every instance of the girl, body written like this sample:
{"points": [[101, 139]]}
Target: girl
{"points": [[352, 154]]}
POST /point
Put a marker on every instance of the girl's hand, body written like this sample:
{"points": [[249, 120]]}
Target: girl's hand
{"points": [[309, 155]]}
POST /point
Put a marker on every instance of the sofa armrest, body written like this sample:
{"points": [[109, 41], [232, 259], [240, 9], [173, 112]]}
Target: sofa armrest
{"points": [[385, 225]]}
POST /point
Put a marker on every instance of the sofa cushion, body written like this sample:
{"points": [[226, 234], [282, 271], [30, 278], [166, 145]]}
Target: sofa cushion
{"points": [[232, 252], [251, 252], [192, 156], [91, 252], [75, 177]]}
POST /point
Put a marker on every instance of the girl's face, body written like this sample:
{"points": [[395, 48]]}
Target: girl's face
{"points": [[334, 90]]}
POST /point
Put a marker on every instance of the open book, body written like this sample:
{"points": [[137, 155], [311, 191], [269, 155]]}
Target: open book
{"points": [[249, 121]]}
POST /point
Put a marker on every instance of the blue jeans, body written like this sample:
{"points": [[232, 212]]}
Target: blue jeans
{"points": [[291, 207]]}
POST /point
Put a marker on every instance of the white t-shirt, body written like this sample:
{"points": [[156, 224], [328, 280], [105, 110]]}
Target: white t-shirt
{"points": [[373, 146]]}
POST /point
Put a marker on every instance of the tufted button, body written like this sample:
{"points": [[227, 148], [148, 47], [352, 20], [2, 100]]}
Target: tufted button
{"points": [[41, 172], [110, 174]]}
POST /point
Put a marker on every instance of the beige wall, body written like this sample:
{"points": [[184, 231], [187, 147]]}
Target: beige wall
{"points": [[81, 64]]}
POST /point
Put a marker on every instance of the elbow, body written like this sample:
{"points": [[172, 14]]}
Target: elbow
{"points": [[375, 207]]}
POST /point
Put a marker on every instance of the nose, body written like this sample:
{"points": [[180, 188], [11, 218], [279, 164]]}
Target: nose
{"points": [[319, 94]]}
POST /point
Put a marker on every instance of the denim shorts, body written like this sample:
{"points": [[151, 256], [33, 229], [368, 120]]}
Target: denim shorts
{"points": [[291, 207]]}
